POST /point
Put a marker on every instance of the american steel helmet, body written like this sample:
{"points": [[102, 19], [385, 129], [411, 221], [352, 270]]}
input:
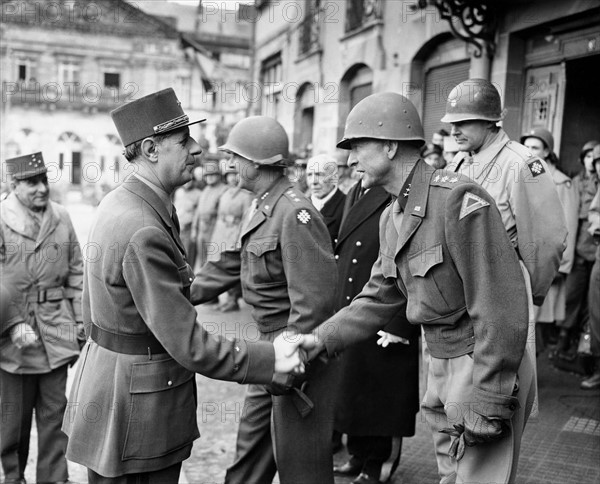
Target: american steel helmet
{"points": [[471, 100], [542, 134], [596, 153], [259, 139], [588, 146], [385, 116]]}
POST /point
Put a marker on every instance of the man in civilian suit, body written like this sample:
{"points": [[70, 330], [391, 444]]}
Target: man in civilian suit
{"points": [[321, 175]]}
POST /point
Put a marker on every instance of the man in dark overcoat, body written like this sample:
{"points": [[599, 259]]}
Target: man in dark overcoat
{"points": [[328, 199], [379, 394]]}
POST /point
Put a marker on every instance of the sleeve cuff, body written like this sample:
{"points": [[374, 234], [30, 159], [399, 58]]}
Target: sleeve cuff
{"points": [[495, 405], [261, 362]]}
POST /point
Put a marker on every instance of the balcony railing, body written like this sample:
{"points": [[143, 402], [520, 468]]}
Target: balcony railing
{"points": [[362, 12]]}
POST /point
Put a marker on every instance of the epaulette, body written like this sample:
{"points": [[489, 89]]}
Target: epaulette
{"points": [[293, 195], [445, 179], [521, 150]]}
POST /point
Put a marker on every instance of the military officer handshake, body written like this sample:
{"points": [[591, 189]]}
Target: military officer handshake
{"points": [[447, 263]]}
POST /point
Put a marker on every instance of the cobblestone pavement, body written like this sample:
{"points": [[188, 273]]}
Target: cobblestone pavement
{"points": [[561, 446]]}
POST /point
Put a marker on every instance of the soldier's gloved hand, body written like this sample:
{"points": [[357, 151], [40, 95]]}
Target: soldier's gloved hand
{"points": [[23, 335], [480, 429]]}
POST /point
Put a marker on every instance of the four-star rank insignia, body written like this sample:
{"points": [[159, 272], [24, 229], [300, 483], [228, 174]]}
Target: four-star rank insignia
{"points": [[303, 216], [536, 168], [471, 203]]}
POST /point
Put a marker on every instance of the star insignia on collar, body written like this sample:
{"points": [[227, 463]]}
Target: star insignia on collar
{"points": [[405, 194], [444, 178], [437, 178], [453, 180]]}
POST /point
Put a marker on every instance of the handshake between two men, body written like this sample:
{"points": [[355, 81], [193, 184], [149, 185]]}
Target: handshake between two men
{"points": [[293, 350]]}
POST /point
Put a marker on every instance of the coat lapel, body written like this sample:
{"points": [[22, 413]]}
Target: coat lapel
{"points": [[416, 205], [139, 188], [50, 221], [356, 214], [266, 203]]}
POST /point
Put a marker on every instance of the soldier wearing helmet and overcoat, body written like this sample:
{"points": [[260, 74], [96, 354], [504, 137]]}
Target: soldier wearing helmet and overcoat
{"points": [[288, 274], [447, 263]]}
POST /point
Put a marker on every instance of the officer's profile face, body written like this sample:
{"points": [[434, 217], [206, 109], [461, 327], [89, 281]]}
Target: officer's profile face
{"points": [[248, 172], [175, 157], [370, 161], [321, 177], [537, 147], [470, 135], [32, 192]]}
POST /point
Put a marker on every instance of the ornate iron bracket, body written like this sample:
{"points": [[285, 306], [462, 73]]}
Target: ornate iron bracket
{"points": [[473, 21]]}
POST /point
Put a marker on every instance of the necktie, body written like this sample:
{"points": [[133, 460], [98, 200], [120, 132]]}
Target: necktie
{"points": [[175, 220], [253, 209]]}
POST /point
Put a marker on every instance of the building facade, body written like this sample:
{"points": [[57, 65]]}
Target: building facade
{"points": [[65, 65], [315, 59]]}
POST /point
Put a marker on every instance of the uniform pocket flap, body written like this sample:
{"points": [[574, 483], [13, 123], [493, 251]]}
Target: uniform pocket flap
{"points": [[157, 376], [420, 263], [258, 247]]}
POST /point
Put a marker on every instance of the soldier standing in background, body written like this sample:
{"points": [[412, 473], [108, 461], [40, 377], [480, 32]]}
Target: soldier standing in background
{"points": [[205, 216], [41, 260], [231, 207], [525, 194]]}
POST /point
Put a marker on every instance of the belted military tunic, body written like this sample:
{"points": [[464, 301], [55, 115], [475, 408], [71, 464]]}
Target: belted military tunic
{"points": [[288, 276]]}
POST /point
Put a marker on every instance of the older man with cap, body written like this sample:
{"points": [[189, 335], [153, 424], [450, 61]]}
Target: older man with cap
{"points": [[132, 411], [41, 262], [328, 199], [446, 263], [288, 274]]}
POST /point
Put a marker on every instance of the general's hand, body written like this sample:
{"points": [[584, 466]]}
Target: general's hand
{"points": [[387, 338], [22, 335], [289, 357], [476, 430], [480, 429]]}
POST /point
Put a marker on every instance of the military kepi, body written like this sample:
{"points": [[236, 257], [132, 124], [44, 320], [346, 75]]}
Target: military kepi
{"points": [[26, 166], [156, 113]]}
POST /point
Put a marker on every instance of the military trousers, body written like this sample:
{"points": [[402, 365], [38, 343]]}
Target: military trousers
{"points": [[170, 475], [449, 395], [274, 437], [20, 395]]}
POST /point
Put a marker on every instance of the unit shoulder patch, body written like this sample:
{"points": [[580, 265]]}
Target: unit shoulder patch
{"points": [[303, 216], [536, 167], [470, 204]]}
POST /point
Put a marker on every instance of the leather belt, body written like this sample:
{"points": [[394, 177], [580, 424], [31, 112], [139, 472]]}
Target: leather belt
{"points": [[129, 344], [43, 295]]}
